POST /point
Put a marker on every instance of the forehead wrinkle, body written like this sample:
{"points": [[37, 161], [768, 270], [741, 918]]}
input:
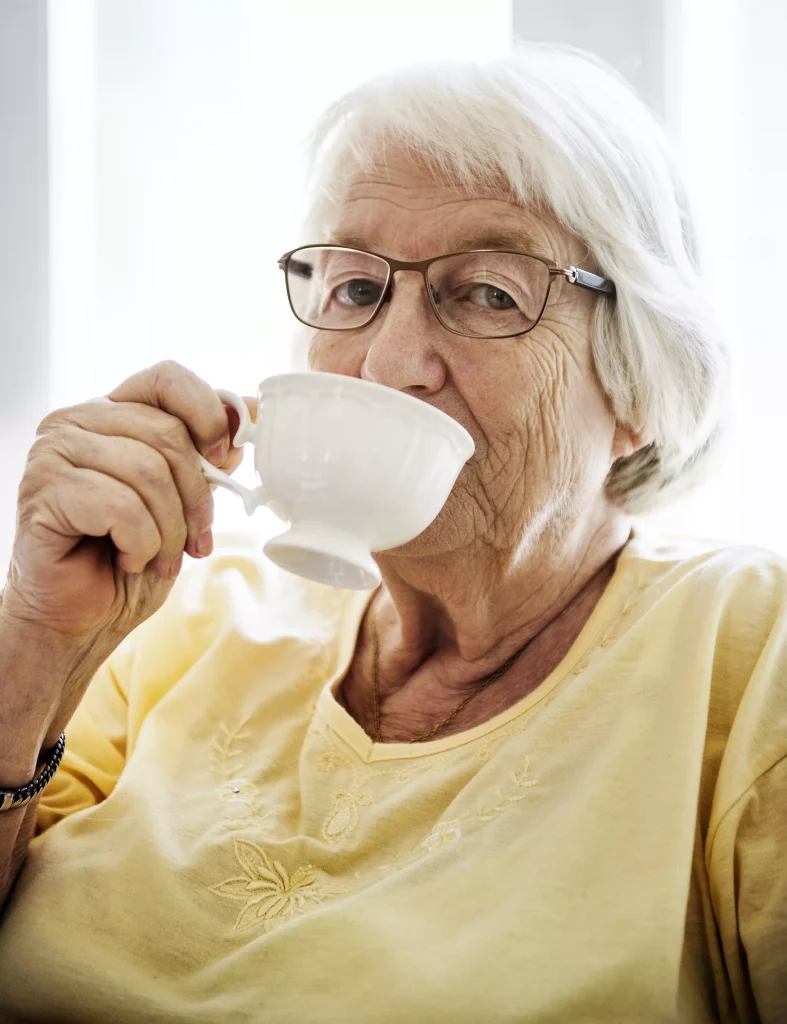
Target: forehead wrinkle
{"points": [[511, 241], [398, 210]]}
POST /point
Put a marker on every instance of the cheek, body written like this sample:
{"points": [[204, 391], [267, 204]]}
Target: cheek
{"points": [[514, 395], [542, 415], [337, 352]]}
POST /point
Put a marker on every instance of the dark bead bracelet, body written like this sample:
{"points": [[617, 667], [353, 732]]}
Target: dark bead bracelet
{"points": [[10, 799]]}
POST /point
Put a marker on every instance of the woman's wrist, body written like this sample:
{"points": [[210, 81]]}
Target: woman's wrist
{"points": [[34, 670], [25, 744], [21, 759], [13, 797]]}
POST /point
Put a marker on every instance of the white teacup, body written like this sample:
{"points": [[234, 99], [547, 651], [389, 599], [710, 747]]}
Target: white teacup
{"points": [[353, 467]]}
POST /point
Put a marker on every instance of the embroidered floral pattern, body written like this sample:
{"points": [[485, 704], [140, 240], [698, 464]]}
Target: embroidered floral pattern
{"points": [[344, 817], [444, 833], [224, 754], [270, 895], [240, 797], [341, 822], [517, 782]]}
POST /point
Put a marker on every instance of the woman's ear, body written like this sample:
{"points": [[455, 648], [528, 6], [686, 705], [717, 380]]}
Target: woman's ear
{"points": [[625, 442]]}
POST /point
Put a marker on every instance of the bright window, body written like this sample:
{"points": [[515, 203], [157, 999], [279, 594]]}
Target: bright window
{"points": [[179, 132]]}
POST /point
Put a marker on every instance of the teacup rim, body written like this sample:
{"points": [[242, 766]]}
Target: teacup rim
{"points": [[442, 419]]}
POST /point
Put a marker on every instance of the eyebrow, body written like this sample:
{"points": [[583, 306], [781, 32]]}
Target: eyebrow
{"points": [[505, 241]]}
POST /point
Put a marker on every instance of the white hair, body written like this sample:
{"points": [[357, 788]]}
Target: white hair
{"points": [[567, 134]]}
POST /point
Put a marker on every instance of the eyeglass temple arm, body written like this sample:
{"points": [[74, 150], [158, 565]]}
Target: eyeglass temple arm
{"points": [[587, 280]]}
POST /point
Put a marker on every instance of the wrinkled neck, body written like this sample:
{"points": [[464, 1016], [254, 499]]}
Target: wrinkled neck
{"points": [[468, 611]]}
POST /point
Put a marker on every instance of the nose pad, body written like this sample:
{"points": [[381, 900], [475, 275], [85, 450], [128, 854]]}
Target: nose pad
{"points": [[436, 296]]}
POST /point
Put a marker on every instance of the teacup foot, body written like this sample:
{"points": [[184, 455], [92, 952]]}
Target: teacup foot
{"points": [[325, 554]]}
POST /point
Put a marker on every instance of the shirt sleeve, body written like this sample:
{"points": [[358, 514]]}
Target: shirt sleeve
{"points": [[209, 596], [103, 731], [748, 866], [746, 843]]}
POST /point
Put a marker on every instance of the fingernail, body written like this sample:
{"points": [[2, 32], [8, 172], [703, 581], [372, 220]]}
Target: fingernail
{"points": [[204, 544], [175, 568], [217, 454]]}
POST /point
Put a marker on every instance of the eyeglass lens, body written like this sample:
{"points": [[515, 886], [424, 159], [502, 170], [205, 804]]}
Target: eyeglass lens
{"points": [[483, 294]]}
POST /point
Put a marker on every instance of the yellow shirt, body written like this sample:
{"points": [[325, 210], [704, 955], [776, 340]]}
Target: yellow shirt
{"points": [[223, 842]]}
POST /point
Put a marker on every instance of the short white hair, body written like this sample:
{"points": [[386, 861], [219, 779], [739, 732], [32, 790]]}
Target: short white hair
{"points": [[567, 134]]}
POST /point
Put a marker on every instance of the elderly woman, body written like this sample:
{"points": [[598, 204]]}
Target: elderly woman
{"points": [[539, 774]]}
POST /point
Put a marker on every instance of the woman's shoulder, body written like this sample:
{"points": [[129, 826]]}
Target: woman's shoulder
{"points": [[716, 564], [733, 594], [724, 605]]}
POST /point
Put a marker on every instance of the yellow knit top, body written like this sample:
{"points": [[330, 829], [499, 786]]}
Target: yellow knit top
{"points": [[223, 842]]}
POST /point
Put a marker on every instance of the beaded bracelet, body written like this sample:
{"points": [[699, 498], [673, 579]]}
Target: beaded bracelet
{"points": [[10, 799]]}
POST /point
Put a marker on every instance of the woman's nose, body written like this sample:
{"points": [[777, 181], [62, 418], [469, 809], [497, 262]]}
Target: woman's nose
{"points": [[404, 352]]}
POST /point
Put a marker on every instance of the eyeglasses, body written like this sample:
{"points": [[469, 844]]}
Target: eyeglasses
{"points": [[485, 293]]}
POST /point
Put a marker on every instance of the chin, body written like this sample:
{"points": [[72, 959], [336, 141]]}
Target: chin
{"points": [[453, 528]]}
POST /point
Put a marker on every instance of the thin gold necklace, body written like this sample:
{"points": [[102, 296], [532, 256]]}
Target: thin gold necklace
{"points": [[482, 683]]}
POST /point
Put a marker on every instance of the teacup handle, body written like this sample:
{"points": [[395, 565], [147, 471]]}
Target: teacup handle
{"points": [[252, 498]]}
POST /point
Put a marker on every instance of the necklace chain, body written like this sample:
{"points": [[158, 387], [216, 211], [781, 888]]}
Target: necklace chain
{"points": [[480, 685]]}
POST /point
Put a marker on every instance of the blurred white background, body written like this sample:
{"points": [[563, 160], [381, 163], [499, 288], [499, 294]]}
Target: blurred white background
{"points": [[151, 156]]}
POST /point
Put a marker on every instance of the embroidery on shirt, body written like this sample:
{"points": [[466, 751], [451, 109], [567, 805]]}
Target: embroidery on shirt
{"points": [[611, 638], [269, 893], [240, 797], [344, 817], [358, 791], [633, 599], [446, 833], [342, 821], [442, 835], [516, 783]]}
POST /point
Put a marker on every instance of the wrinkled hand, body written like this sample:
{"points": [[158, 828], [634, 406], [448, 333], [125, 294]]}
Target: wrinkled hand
{"points": [[112, 495]]}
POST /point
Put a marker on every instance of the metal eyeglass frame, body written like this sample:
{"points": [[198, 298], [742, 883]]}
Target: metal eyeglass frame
{"points": [[574, 275]]}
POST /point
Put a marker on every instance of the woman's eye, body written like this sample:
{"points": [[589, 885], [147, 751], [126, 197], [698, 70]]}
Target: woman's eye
{"points": [[358, 292], [490, 297]]}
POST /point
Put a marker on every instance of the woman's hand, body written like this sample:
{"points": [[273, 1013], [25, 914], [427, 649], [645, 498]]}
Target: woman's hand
{"points": [[112, 495]]}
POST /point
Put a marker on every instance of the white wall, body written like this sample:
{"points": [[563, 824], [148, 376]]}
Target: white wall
{"points": [[629, 34], [755, 266], [24, 311]]}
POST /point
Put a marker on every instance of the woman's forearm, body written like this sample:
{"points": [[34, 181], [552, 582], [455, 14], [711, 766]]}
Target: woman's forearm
{"points": [[33, 668], [19, 757], [16, 830]]}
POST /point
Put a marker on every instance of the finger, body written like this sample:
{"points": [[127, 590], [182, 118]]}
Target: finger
{"points": [[141, 467], [235, 455], [181, 393], [159, 430], [87, 503]]}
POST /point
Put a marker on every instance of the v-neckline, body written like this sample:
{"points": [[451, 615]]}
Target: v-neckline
{"points": [[342, 722]]}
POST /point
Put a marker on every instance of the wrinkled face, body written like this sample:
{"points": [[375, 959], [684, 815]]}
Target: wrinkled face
{"points": [[544, 435]]}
